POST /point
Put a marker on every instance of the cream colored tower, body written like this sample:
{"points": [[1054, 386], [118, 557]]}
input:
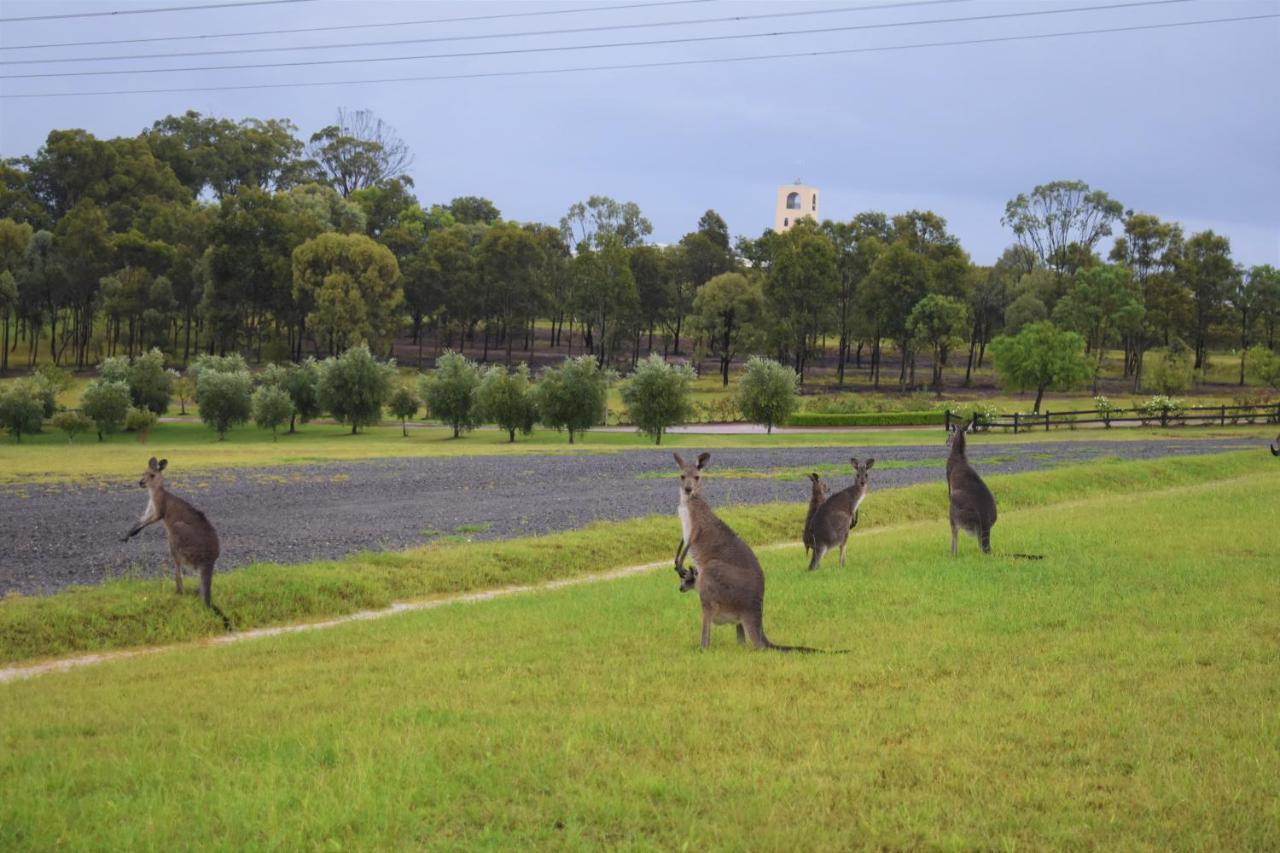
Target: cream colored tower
{"points": [[794, 202]]}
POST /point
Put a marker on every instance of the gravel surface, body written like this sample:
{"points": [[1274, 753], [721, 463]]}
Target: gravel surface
{"points": [[56, 535]]}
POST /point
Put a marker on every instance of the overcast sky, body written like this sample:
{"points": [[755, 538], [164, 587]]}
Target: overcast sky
{"points": [[1180, 122]]}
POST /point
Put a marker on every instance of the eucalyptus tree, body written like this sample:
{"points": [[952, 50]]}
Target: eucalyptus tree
{"points": [[729, 314], [360, 150], [1059, 220], [1149, 248], [1205, 268], [1101, 302], [802, 287]]}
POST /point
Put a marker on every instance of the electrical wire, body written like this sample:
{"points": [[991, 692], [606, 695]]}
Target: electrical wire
{"points": [[642, 65], [488, 36], [119, 12], [598, 46], [203, 36]]}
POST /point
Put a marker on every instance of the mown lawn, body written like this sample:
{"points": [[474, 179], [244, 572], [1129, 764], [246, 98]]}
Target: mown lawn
{"points": [[1120, 693]]}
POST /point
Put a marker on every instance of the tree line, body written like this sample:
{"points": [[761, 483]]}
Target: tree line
{"points": [[206, 235]]}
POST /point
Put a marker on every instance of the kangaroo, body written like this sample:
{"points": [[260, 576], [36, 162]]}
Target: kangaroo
{"points": [[193, 543], [973, 507], [837, 516], [816, 499], [1275, 446], [728, 576]]}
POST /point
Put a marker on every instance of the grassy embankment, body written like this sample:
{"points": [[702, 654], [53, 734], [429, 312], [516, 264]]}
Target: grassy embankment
{"points": [[1120, 693], [142, 612]]}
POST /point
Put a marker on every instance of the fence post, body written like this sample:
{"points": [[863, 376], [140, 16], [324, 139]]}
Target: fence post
{"points": [[1015, 423], [1224, 414], [1046, 420], [1164, 417]]}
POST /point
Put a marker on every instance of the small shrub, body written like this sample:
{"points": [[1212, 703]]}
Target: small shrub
{"points": [[139, 420], [150, 385], [72, 423], [1159, 408], [1170, 372], [404, 404]]}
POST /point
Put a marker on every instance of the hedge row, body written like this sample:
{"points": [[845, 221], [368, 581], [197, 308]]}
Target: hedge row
{"points": [[826, 419]]}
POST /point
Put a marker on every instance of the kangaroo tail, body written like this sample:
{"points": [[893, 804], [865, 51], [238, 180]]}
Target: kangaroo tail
{"points": [[226, 622], [1024, 556], [1275, 448]]}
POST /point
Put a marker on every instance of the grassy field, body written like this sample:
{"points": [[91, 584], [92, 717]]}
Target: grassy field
{"points": [[132, 613], [1121, 693], [49, 457]]}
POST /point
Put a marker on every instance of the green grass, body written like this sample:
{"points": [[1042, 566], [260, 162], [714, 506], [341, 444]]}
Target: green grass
{"points": [[1119, 694], [131, 613], [49, 458]]}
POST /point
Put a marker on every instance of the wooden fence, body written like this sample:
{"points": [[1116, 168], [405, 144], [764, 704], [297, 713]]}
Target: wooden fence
{"points": [[1201, 415]]}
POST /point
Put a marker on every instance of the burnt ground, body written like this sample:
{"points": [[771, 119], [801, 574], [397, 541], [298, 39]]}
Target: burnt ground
{"points": [[57, 535]]}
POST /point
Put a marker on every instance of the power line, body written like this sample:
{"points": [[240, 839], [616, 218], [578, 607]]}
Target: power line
{"points": [[488, 36], [640, 65], [119, 12], [598, 46], [495, 17]]}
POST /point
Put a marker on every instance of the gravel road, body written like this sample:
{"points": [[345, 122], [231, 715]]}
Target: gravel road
{"points": [[57, 535]]}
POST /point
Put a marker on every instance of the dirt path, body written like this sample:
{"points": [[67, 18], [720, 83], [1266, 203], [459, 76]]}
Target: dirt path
{"points": [[56, 535]]}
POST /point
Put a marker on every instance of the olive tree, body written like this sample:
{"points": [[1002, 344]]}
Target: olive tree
{"points": [[450, 390], [505, 397], [403, 404], [224, 399], [767, 392], [21, 409], [657, 396], [938, 322], [572, 397], [72, 422], [354, 386], [271, 406], [105, 402]]}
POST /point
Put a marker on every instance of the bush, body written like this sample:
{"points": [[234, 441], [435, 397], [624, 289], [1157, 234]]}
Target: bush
{"points": [[150, 385], [224, 398], [1160, 407], [657, 396], [1263, 366], [506, 399], [271, 407], [767, 392], [50, 381], [1171, 373], [139, 420], [404, 405], [573, 396], [106, 403], [72, 423], [21, 409], [234, 363], [354, 386], [449, 391]]}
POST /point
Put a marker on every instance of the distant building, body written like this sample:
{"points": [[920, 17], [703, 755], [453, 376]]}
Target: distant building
{"points": [[795, 201]]}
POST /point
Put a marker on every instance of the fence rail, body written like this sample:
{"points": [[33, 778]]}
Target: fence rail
{"points": [[1201, 415]]}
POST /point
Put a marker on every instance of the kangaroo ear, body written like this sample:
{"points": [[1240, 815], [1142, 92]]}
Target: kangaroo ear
{"points": [[151, 464], [813, 477], [679, 459], [870, 463], [703, 459], [163, 464], [854, 460]]}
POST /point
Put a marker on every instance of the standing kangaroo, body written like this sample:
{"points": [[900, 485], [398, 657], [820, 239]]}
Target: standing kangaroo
{"points": [[193, 543], [973, 507], [816, 499], [837, 516], [728, 576]]}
